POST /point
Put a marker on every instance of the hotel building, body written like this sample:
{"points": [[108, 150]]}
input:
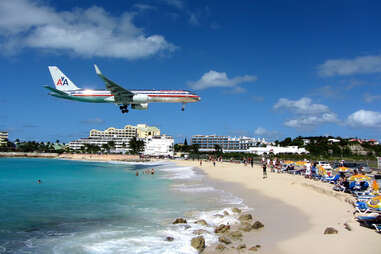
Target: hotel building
{"points": [[155, 145], [208, 142], [3, 138]]}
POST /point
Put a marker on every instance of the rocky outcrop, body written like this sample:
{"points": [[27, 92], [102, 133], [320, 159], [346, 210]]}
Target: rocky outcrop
{"points": [[246, 227], [201, 222], [241, 246], [198, 243], [226, 213], [221, 229], [236, 235], [347, 227], [330, 231], [220, 247], [180, 221], [200, 232], [257, 225], [169, 238], [224, 239], [255, 248], [236, 210], [245, 217]]}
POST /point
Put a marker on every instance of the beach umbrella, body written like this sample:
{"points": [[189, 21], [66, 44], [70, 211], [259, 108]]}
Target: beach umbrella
{"points": [[343, 169], [359, 178], [375, 202], [322, 171], [375, 186]]}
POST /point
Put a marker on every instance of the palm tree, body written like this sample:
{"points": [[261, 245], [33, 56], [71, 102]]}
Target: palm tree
{"points": [[218, 149], [111, 144], [136, 146], [105, 147]]}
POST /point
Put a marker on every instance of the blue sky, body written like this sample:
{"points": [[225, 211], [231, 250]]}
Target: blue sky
{"points": [[268, 69]]}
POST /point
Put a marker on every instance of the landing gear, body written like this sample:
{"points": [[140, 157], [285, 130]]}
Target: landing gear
{"points": [[124, 108], [183, 107]]}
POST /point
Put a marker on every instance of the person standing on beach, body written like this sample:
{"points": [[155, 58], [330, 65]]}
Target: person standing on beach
{"points": [[200, 163], [264, 171], [252, 162]]}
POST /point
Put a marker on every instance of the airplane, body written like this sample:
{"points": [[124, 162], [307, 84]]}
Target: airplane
{"points": [[138, 99]]}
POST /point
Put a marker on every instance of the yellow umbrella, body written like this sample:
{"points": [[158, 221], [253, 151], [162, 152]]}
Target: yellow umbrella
{"points": [[343, 169], [359, 178], [375, 202], [322, 171]]}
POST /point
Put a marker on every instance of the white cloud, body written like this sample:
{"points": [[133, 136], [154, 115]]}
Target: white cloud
{"points": [[365, 118], [370, 98], [83, 32], [302, 106], [175, 3], [263, 132], [144, 7], [220, 79], [308, 115], [312, 121], [260, 131], [358, 65]]}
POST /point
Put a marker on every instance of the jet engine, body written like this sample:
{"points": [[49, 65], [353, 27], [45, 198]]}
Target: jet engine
{"points": [[140, 98], [142, 106]]}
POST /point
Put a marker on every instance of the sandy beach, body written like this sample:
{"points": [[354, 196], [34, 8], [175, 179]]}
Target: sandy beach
{"points": [[294, 210]]}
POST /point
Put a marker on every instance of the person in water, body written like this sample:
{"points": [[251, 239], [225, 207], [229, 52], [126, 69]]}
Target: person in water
{"points": [[152, 171], [137, 173]]}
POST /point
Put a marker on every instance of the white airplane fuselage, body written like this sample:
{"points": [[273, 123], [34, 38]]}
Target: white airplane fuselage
{"points": [[140, 97]]}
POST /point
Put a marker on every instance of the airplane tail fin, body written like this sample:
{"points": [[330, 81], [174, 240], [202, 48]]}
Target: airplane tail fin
{"points": [[60, 80]]}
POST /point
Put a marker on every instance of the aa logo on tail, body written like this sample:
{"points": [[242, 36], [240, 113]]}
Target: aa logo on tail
{"points": [[62, 82]]}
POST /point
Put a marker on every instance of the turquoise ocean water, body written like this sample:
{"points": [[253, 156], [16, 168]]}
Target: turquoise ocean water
{"points": [[93, 207]]}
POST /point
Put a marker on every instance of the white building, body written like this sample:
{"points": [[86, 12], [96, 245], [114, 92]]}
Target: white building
{"points": [[159, 146], [277, 150], [208, 142], [3, 138]]}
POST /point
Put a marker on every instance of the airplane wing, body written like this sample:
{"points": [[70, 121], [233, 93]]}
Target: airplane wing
{"points": [[121, 95]]}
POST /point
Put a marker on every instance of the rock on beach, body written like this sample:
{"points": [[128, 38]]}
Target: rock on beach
{"points": [[198, 243], [180, 221], [245, 217], [222, 228], [201, 222], [330, 231], [224, 239], [246, 227], [257, 225]]}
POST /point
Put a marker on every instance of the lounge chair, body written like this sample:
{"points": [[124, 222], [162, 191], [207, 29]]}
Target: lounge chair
{"points": [[369, 219], [378, 227], [363, 208]]}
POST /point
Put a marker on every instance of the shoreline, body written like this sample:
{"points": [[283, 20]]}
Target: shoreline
{"points": [[72, 156], [294, 210]]}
